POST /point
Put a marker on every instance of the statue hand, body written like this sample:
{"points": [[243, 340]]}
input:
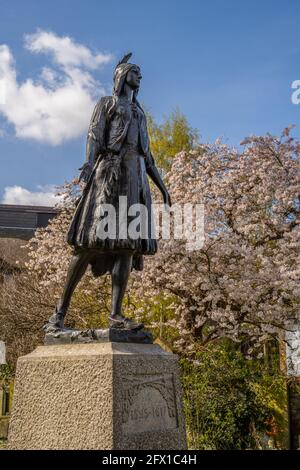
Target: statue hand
{"points": [[85, 173]]}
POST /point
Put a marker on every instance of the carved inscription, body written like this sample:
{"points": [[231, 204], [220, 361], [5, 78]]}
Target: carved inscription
{"points": [[148, 403]]}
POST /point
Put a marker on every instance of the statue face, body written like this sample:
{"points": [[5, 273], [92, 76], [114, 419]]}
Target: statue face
{"points": [[133, 78]]}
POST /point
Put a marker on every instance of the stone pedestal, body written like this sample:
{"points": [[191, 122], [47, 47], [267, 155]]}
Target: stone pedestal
{"points": [[97, 396]]}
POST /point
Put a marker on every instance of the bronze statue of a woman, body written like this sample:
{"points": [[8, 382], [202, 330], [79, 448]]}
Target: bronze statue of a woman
{"points": [[118, 160]]}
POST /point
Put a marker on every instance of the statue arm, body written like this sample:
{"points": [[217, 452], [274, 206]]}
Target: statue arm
{"points": [[154, 174], [95, 143]]}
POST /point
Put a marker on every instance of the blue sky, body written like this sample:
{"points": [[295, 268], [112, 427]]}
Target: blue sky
{"points": [[228, 65]]}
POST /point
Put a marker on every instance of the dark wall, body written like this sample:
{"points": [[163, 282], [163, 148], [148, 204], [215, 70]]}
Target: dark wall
{"points": [[21, 221]]}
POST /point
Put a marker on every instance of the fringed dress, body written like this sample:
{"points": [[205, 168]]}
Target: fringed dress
{"points": [[118, 178]]}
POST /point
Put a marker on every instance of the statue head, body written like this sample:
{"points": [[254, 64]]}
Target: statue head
{"points": [[126, 73]]}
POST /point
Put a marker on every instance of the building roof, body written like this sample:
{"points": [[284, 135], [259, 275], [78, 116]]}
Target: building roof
{"points": [[18, 221], [21, 208]]}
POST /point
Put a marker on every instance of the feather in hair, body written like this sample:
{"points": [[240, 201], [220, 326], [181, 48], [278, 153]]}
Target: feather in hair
{"points": [[125, 59]]}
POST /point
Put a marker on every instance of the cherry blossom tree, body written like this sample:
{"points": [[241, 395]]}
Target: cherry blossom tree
{"points": [[242, 284]]}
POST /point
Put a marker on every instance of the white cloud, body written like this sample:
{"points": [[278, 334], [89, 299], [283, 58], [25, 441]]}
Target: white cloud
{"points": [[56, 107], [65, 50], [18, 195], [2, 91]]}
